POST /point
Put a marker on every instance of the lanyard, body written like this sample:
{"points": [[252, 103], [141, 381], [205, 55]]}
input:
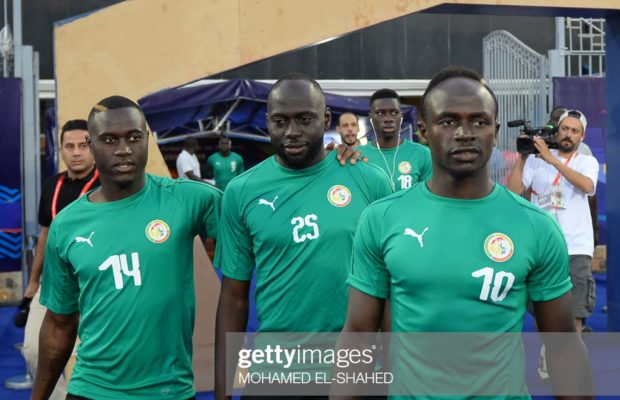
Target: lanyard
{"points": [[557, 177], [59, 183]]}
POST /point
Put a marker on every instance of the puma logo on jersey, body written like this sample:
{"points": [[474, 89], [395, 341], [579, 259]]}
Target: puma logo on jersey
{"points": [[412, 233], [79, 239], [268, 203]]}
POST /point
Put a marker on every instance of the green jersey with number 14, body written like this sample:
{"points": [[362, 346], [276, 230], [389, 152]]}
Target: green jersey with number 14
{"points": [[127, 267]]}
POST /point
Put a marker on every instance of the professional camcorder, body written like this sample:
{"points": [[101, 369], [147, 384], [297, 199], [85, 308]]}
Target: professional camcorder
{"points": [[525, 144]]}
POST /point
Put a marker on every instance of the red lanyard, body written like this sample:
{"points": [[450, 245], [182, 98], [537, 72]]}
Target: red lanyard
{"points": [[557, 177], [85, 189]]}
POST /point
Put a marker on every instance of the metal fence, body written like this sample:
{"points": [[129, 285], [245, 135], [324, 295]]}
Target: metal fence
{"points": [[585, 46], [517, 74]]}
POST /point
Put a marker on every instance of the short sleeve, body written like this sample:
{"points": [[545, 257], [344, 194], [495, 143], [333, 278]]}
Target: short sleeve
{"points": [[369, 273], [183, 165], [234, 249], [590, 168], [528, 172], [44, 216], [204, 203], [549, 278], [59, 285]]}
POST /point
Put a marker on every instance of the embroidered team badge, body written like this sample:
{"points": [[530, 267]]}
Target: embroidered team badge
{"points": [[404, 167], [498, 247], [157, 231], [339, 195]]}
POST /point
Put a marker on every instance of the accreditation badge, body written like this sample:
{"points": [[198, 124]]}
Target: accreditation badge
{"points": [[558, 199], [544, 202]]}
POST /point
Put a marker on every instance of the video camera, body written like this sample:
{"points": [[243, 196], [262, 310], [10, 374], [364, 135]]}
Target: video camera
{"points": [[525, 144]]}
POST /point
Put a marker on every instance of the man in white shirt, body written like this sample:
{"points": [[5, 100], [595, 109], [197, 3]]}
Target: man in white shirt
{"points": [[187, 162], [561, 181]]}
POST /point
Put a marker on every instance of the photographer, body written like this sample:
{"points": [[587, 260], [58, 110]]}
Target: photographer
{"points": [[561, 181]]}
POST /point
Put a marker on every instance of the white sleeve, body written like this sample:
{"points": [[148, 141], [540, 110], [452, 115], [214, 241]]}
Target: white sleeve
{"points": [[183, 165], [589, 167], [528, 172]]}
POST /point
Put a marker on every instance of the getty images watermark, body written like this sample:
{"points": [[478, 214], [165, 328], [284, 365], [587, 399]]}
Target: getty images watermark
{"points": [[420, 364], [302, 366]]}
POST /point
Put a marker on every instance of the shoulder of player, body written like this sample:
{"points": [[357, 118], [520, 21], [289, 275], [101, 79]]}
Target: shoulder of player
{"points": [[416, 147], [184, 186], [72, 209], [383, 205], [251, 178], [535, 215]]}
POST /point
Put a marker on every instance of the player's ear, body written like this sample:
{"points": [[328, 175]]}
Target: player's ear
{"points": [[328, 118], [497, 125], [422, 129]]}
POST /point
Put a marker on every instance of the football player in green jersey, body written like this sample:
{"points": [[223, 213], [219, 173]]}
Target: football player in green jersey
{"points": [[225, 164], [502, 251], [120, 260], [404, 161], [290, 221]]}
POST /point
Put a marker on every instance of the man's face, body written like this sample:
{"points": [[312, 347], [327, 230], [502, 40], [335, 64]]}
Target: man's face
{"points": [[555, 116], [75, 153], [570, 134], [348, 129], [460, 127], [224, 146], [385, 117], [119, 142], [297, 119]]}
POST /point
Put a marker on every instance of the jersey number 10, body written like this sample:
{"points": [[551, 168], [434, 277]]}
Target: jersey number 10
{"points": [[502, 278]]}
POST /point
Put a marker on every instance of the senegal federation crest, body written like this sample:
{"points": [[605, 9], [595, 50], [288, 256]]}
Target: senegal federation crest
{"points": [[157, 231], [498, 247], [404, 167], [339, 195]]}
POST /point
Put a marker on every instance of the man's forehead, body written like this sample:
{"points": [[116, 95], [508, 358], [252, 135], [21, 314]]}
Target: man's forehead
{"points": [[385, 103], [120, 119], [458, 92], [572, 122], [75, 135]]}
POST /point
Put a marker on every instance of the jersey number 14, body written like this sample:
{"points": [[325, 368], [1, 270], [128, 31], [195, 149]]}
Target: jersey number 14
{"points": [[120, 267]]}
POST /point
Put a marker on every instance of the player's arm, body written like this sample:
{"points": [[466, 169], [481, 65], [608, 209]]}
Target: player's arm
{"points": [[37, 265], [364, 315], [232, 316], [567, 357], [515, 180], [577, 179], [56, 342]]}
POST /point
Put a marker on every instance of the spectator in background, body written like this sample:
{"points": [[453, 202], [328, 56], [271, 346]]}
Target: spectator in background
{"points": [[225, 164], [405, 162], [348, 129], [58, 191], [187, 162], [561, 180]]}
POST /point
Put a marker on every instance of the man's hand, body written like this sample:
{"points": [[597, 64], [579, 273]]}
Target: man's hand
{"points": [[345, 153], [543, 150], [31, 289]]}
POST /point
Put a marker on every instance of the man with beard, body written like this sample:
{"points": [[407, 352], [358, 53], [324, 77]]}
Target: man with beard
{"points": [[119, 263], [405, 162], [561, 181], [290, 220], [348, 128], [58, 191]]}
